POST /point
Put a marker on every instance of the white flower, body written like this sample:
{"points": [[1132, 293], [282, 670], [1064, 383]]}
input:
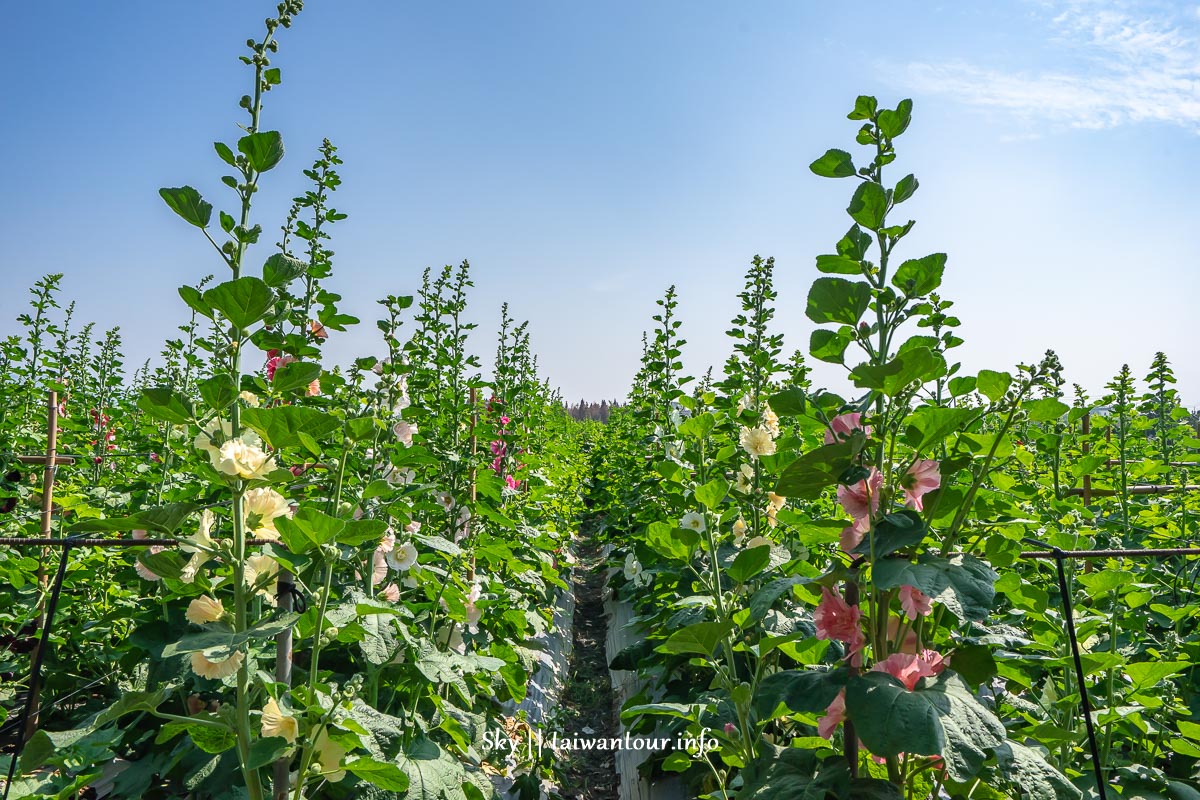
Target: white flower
{"points": [[211, 435], [413, 527], [264, 506], [634, 573], [217, 670], [757, 441], [403, 557], [249, 398], [200, 545], [263, 569], [400, 477], [141, 568], [745, 478], [739, 532], [203, 610], [242, 458], [770, 421], [474, 612], [404, 431], [693, 520], [446, 500], [744, 403], [277, 723], [329, 754]]}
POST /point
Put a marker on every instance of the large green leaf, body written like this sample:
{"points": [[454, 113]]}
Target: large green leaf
{"points": [[700, 638], [818, 469], [281, 269], [932, 424], [221, 644], [992, 384], [308, 529], [749, 563], [830, 346], [919, 276], [187, 203], [917, 365], [896, 531], [834, 164], [263, 149], [1026, 770], [281, 427], [713, 493], [1047, 409], [962, 583], [243, 301], [893, 123], [837, 300], [800, 691], [940, 717], [163, 404], [296, 375], [762, 600], [389, 777], [156, 519], [433, 774], [869, 205]]}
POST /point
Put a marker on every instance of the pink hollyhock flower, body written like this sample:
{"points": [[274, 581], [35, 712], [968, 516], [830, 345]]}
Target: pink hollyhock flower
{"points": [[141, 568], [391, 593], [915, 602], [837, 619], [512, 482], [862, 499], [922, 477], [504, 420], [313, 389], [275, 362], [852, 535], [404, 431], [841, 426], [908, 668], [730, 729], [498, 464], [834, 715], [499, 448]]}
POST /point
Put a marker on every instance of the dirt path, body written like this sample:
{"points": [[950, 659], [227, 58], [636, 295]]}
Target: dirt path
{"points": [[587, 699]]}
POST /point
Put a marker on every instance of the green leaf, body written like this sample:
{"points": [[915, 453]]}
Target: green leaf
{"points": [[920, 364], [749, 563], [837, 300], [869, 205], [855, 244], [389, 777], [168, 563], [1047, 409], [1026, 770], [156, 519], [263, 149], [992, 384], [962, 583], [296, 375], [975, 663], [962, 385], [789, 402], [933, 424], [195, 301], [919, 276], [834, 164], [210, 739], [818, 469], [221, 644], [308, 529], [224, 153], [829, 346], [266, 751], [280, 270], [864, 107], [697, 427], [940, 717], [217, 392], [839, 265], [1147, 674], [762, 600], [700, 638], [800, 691], [187, 203], [893, 123], [671, 541], [271, 76], [280, 427], [243, 302], [904, 189], [713, 493], [896, 531], [163, 404]]}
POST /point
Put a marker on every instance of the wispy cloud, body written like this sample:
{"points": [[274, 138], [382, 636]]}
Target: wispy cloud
{"points": [[1135, 63]]}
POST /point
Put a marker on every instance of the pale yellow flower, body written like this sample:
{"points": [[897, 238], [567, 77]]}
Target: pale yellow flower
{"points": [[211, 435], [266, 505], [277, 723], [249, 398], [263, 569], [739, 532], [203, 610], [758, 541], [200, 545], [329, 754], [217, 670], [771, 423], [243, 459], [757, 442]]}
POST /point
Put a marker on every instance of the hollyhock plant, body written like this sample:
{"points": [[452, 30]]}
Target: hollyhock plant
{"points": [[835, 715], [843, 425], [920, 479], [909, 668]]}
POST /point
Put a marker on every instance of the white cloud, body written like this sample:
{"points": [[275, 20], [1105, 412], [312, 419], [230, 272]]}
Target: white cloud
{"points": [[1135, 63]]}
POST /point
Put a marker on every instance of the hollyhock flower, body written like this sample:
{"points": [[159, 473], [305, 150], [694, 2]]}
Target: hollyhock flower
{"points": [[852, 535], [757, 442], [277, 723], [745, 478], [770, 421], [317, 329], [413, 527], [313, 389], [511, 482], [195, 705], [263, 507], [446, 500], [498, 464], [400, 477], [141, 568], [474, 612], [209, 439], [403, 557], [909, 669], [504, 420], [837, 619], [843, 425], [774, 504], [693, 520], [391, 593], [329, 755], [243, 459], [730, 729], [835, 715], [404, 431], [861, 500], [739, 532], [758, 541], [915, 602], [217, 670], [203, 610], [261, 571], [249, 398], [499, 447], [922, 477], [379, 565], [634, 573], [200, 545], [275, 362]]}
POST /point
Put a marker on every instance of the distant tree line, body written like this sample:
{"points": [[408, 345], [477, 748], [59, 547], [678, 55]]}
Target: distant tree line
{"points": [[598, 412]]}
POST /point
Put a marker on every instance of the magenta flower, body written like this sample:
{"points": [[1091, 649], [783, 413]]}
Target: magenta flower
{"points": [[512, 482], [841, 426], [915, 602], [837, 619], [499, 448], [861, 500], [922, 477]]}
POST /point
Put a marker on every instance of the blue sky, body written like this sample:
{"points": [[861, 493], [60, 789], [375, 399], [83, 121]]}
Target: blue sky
{"points": [[584, 156]]}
